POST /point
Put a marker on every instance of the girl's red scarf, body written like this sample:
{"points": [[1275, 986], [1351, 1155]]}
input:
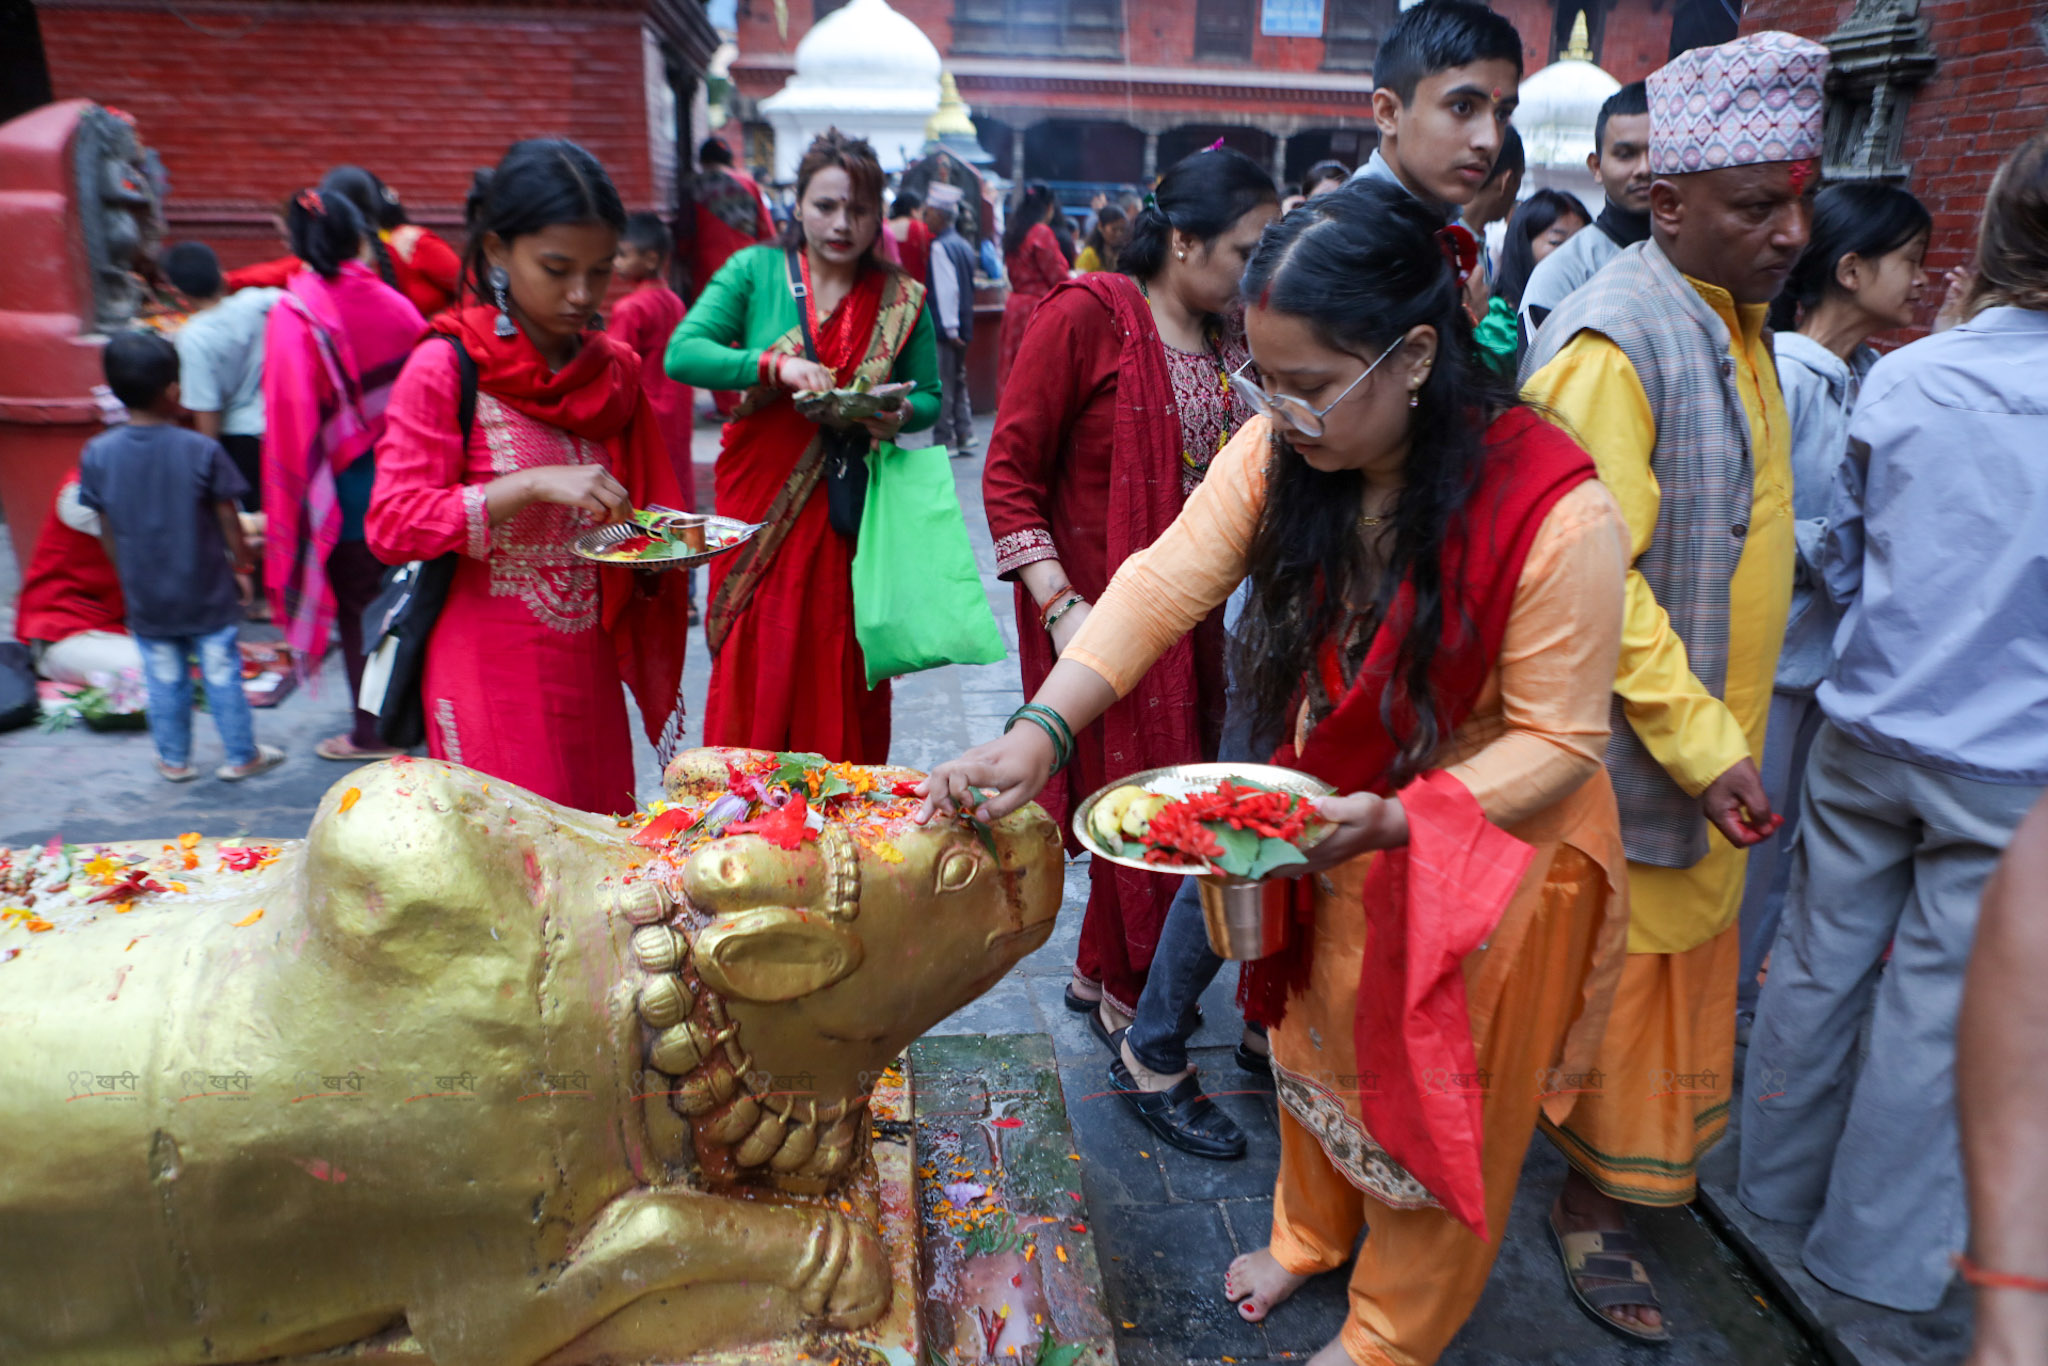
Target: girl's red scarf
{"points": [[1432, 903], [597, 396]]}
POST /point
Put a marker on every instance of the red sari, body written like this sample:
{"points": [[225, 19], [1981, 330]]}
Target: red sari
{"points": [[1034, 269], [524, 670], [1088, 465], [787, 672]]}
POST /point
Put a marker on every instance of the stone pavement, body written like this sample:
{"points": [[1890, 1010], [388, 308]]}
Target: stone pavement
{"points": [[1166, 1224]]}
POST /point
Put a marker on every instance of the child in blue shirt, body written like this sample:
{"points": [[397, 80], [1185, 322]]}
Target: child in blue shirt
{"points": [[166, 499]]}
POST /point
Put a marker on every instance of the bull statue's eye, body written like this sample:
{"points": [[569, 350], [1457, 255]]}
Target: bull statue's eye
{"points": [[957, 869]]}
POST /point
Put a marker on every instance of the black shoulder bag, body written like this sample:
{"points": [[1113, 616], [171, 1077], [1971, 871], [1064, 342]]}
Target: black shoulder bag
{"points": [[398, 623], [846, 451]]}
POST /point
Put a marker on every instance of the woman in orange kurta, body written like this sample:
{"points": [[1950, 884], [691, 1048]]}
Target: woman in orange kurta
{"points": [[1436, 594]]}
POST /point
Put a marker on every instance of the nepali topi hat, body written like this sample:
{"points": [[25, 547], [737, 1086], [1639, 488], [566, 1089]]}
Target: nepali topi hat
{"points": [[940, 195], [1757, 99]]}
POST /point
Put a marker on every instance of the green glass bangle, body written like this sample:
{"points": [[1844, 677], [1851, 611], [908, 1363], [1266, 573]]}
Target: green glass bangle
{"points": [[1040, 709], [1060, 752]]}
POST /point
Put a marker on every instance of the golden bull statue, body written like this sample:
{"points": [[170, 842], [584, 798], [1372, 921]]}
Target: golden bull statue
{"points": [[471, 1078]]}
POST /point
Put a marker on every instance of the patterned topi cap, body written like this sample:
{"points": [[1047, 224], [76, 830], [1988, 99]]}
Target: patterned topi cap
{"points": [[940, 195], [1754, 100]]}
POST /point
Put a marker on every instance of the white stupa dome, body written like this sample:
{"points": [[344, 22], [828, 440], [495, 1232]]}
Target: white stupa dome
{"points": [[1560, 106], [866, 70]]}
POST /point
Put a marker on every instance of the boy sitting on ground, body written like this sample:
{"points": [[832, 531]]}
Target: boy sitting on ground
{"points": [[166, 500]]}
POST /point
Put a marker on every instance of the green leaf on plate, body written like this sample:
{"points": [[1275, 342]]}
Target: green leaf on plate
{"points": [[1274, 854], [1240, 848]]}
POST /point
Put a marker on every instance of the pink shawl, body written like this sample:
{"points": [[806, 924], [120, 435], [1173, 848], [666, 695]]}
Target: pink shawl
{"points": [[332, 350]]}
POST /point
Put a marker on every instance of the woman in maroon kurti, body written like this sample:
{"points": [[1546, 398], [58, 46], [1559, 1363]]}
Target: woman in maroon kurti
{"points": [[1089, 463], [1035, 264]]}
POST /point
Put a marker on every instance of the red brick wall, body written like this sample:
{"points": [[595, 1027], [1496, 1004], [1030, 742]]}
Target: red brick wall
{"points": [[1989, 94], [250, 107], [1156, 33]]}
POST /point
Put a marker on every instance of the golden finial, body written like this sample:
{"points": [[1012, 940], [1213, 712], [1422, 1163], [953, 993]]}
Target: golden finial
{"points": [[951, 117], [1580, 48]]}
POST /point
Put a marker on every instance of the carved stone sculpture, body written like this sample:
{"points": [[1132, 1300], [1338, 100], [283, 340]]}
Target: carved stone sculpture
{"points": [[1877, 59], [470, 1078]]}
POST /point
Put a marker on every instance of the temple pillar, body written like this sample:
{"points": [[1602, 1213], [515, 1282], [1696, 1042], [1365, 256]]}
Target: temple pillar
{"points": [[1280, 159], [1151, 155], [1017, 155]]}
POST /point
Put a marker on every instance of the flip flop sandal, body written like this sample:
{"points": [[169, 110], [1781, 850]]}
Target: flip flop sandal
{"points": [[1180, 1115], [1080, 1005], [1251, 1060], [1615, 1257], [333, 748]]}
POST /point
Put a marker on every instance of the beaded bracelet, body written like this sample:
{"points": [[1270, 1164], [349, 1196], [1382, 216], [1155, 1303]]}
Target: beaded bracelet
{"points": [[1059, 597], [1053, 619]]}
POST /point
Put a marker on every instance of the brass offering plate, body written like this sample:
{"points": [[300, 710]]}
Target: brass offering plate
{"points": [[698, 537], [1183, 779]]}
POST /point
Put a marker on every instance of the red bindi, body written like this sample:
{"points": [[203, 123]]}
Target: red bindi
{"points": [[1802, 172]]}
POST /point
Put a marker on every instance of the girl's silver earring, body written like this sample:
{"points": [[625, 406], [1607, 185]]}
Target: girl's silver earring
{"points": [[501, 284], [1415, 398]]}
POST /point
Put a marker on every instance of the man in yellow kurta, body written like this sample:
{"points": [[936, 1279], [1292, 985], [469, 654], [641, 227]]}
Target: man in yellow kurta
{"points": [[1661, 365]]}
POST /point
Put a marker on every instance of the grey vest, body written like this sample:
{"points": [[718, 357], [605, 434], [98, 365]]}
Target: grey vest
{"points": [[1678, 346]]}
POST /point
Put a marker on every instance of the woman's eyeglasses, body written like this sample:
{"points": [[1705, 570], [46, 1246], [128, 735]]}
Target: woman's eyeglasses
{"points": [[1293, 411]]}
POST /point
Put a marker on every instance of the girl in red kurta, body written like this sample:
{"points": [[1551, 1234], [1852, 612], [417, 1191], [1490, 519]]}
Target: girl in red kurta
{"points": [[1089, 463], [524, 670], [1034, 262]]}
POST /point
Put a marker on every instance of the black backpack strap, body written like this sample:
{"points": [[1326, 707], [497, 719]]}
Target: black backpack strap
{"points": [[465, 369], [803, 304]]}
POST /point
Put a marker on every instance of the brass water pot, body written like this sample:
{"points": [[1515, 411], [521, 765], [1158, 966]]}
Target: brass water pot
{"points": [[1245, 920]]}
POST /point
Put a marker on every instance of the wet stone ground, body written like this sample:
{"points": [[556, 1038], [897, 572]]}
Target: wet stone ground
{"points": [[1162, 1226]]}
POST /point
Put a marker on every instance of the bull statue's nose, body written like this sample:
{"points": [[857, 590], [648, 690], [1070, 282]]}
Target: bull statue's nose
{"points": [[745, 872]]}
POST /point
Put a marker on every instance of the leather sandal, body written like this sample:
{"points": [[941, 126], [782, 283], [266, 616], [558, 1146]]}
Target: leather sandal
{"points": [[1180, 1115], [1251, 1060], [1615, 1257]]}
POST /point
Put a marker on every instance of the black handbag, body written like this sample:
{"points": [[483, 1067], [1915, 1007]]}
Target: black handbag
{"points": [[400, 620], [846, 452]]}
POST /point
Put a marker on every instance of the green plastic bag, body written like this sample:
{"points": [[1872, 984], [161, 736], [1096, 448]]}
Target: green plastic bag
{"points": [[918, 599]]}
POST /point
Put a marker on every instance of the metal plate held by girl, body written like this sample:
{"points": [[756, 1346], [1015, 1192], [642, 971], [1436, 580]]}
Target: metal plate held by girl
{"points": [[1182, 780], [718, 536]]}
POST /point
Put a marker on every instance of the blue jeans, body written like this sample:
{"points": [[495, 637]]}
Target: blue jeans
{"points": [[166, 668], [1182, 965]]}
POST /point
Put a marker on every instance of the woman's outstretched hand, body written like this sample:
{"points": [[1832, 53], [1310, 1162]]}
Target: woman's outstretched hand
{"points": [[1365, 823], [992, 780], [885, 425]]}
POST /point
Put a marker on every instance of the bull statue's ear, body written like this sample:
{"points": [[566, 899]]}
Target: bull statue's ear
{"points": [[775, 955]]}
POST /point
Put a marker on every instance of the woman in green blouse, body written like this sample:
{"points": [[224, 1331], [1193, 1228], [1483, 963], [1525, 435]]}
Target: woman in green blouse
{"points": [[786, 671]]}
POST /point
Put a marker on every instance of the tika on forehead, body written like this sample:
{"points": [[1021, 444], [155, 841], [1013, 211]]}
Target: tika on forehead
{"points": [[1758, 99]]}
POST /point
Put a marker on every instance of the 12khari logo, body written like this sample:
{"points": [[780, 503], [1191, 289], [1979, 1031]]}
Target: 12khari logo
{"points": [[92, 1084], [202, 1083], [319, 1084], [460, 1084], [1666, 1082], [1555, 1081]]}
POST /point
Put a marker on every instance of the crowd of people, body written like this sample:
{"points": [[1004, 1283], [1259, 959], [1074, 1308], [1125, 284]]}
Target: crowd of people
{"points": [[1676, 657], [1613, 585]]}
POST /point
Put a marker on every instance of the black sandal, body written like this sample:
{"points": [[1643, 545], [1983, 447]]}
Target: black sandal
{"points": [[1180, 1115], [1615, 1257], [1251, 1060]]}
